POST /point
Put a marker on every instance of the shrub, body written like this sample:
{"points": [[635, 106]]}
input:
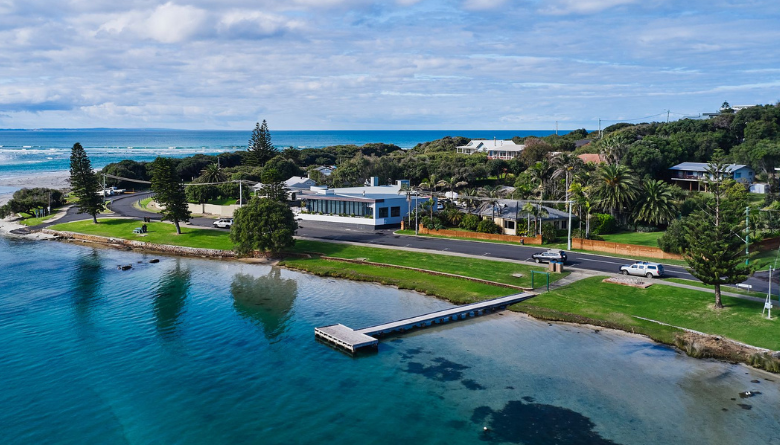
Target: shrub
{"points": [[488, 226], [549, 234], [432, 223], [603, 224], [673, 241], [470, 222]]}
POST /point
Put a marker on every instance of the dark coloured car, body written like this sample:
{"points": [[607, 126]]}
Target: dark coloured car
{"points": [[550, 255]]}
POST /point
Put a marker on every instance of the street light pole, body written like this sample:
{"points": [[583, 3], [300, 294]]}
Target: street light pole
{"points": [[569, 226], [747, 235]]}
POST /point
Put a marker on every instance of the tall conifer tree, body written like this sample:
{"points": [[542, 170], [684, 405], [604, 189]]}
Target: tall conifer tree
{"points": [[260, 149], [716, 254], [169, 192], [84, 183]]}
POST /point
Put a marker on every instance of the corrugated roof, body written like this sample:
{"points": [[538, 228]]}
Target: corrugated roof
{"points": [[702, 167]]}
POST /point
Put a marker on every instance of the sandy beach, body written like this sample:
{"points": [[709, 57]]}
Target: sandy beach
{"points": [[9, 184]]}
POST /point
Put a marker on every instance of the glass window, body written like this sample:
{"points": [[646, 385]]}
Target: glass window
{"points": [[395, 211], [382, 212], [509, 224]]}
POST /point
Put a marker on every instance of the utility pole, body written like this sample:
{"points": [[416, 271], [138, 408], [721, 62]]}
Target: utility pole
{"points": [[599, 127], [667, 116], [556, 128], [240, 193], [569, 226], [747, 235]]}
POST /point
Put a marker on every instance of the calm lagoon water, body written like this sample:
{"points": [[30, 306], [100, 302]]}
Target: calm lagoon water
{"points": [[210, 352]]}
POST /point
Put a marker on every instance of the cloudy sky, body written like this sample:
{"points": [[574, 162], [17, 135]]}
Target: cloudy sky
{"points": [[395, 64]]}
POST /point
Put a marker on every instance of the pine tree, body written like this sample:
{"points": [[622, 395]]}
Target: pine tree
{"points": [[169, 192], [84, 183], [716, 253], [260, 149]]}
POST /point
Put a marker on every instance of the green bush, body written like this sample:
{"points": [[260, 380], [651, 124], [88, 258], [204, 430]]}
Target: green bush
{"points": [[603, 224], [549, 234], [673, 240], [470, 222], [488, 226]]}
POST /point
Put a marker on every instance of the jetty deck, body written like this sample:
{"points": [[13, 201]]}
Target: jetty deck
{"points": [[352, 340]]}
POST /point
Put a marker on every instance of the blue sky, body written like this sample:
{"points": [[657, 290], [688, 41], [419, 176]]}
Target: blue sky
{"points": [[403, 64]]}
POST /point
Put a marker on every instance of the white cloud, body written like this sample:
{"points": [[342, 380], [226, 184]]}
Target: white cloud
{"points": [[482, 5], [581, 6]]}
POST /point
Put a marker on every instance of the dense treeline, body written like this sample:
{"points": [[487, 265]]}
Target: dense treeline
{"points": [[631, 185]]}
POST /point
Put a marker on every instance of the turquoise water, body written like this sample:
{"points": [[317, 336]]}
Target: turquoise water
{"points": [[210, 352], [28, 151]]}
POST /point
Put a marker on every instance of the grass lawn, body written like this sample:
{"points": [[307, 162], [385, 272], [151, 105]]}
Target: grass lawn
{"points": [[160, 233], [723, 288], [223, 201], [499, 271], [29, 221], [144, 205], [649, 239], [741, 320], [452, 289]]}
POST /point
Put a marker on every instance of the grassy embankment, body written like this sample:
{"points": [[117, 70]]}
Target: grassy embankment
{"points": [[615, 306], [144, 205], [452, 289], [158, 233], [29, 220]]}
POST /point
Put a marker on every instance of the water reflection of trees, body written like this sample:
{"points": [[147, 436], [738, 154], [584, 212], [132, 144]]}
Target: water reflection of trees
{"points": [[86, 282], [265, 300], [170, 298]]}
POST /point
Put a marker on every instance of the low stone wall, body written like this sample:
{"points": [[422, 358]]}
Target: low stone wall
{"points": [[484, 236], [165, 248], [426, 271], [623, 249], [212, 209]]}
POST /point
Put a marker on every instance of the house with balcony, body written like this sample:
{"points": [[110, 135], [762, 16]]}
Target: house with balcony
{"points": [[696, 172], [370, 207], [495, 149]]}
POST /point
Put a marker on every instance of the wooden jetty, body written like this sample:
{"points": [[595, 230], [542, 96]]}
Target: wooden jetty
{"points": [[353, 340]]}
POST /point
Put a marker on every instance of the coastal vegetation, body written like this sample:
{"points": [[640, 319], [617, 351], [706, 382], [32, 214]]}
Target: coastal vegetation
{"points": [[29, 203], [265, 225]]}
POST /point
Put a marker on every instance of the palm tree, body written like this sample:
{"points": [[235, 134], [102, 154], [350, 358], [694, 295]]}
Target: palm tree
{"points": [[615, 146], [615, 187], [542, 172], [566, 165], [656, 205], [583, 203], [212, 173]]}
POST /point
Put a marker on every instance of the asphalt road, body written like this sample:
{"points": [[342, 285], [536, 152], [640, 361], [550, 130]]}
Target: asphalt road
{"points": [[123, 206]]}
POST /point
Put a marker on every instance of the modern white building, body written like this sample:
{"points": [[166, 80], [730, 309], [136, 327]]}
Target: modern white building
{"points": [[371, 206], [495, 149]]}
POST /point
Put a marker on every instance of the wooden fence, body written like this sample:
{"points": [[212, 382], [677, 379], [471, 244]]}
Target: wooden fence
{"points": [[631, 250], [483, 236]]}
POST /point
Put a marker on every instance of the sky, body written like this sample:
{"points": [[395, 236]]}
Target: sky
{"points": [[381, 65]]}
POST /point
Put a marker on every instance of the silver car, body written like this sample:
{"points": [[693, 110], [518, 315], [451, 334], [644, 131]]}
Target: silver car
{"points": [[223, 223], [643, 269]]}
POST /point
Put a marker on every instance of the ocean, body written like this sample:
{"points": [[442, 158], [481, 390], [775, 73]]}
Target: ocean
{"points": [[221, 352], [32, 151]]}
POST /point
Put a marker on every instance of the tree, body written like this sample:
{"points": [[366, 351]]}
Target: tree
{"points": [[169, 192], [260, 149], [273, 188], [263, 224], [656, 204], [615, 187], [212, 173], [84, 183], [614, 147], [715, 252]]}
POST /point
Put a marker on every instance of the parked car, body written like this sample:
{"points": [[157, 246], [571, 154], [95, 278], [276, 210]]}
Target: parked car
{"points": [[550, 255], [643, 269], [223, 223]]}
